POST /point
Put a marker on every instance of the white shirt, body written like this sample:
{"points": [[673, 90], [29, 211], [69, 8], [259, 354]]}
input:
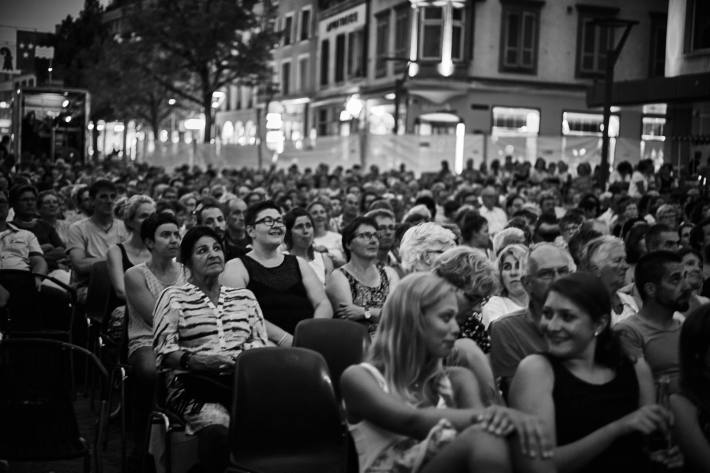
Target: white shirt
{"points": [[496, 219]]}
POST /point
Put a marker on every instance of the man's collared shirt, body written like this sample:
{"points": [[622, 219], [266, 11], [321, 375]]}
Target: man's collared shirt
{"points": [[16, 247]]}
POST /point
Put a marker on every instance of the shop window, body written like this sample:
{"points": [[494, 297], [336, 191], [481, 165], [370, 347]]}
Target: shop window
{"points": [[515, 121], [588, 124]]}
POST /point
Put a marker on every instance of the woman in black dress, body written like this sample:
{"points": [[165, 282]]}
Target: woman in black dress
{"points": [[597, 402]]}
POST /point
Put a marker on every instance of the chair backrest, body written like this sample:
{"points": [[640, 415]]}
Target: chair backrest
{"points": [[283, 403], [99, 294], [341, 342], [36, 399], [35, 313]]}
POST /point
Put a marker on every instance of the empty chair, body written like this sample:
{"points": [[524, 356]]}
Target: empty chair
{"points": [[44, 313], [285, 418], [39, 422], [341, 342]]}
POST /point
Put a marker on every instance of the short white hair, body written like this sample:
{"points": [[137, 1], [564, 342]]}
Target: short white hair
{"points": [[417, 243]]}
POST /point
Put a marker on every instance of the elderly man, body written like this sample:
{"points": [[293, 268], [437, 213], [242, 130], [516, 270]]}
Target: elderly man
{"points": [[517, 335], [662, 237], [236, 239], [491, 210], [605, 257]]}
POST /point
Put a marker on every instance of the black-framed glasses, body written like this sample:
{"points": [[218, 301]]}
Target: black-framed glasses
{"points": [[270, 221], [366, 235]]}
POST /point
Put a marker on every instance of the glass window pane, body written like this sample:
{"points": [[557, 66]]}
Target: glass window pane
{"points": [[432, 41], [457, 43], [529, 31], [433, 13], [513, 22]]}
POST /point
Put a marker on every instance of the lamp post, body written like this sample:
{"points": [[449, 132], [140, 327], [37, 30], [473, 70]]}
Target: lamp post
{"points": [[612, 56], [270, 88]]}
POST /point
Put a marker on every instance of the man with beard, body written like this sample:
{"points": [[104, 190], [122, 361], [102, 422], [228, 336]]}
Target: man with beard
{"points": [[209, 213], [653, 333]]}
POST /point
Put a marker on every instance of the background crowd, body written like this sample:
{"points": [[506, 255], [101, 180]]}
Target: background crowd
{"points": [[539, 288]]}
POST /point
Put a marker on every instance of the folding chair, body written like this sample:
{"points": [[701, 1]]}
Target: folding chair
{"points": [[341, 342], [45, 313], [39, 422], [285, 418]]}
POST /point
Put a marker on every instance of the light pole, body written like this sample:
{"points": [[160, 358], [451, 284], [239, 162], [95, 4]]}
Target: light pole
{"points": [[612, 56]]}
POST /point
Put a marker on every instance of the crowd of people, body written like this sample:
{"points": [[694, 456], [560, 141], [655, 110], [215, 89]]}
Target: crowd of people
{"points": [[520, 316]]}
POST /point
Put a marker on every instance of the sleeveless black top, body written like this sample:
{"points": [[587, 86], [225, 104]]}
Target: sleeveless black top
{"points": [[280, 292], [127, 263], [581, 408]]}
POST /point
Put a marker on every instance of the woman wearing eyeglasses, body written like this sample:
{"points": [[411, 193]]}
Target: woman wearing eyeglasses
{"points": [[286, 287], [358, 289]]}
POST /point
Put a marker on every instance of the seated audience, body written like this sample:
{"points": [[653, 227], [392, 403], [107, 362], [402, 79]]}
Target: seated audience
{"points": [[201, 327], [298, 240], [691, 404], [407, 412], [358, 289], [605, 257], [286, 287], [596, 400], [518, 335], [512, 268], [653, 332]]}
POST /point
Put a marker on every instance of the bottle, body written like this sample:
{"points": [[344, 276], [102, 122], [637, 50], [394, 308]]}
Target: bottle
{"points": [[660, 445]]}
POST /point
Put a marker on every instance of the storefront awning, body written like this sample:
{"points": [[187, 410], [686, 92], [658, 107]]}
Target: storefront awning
{"points": [[685, 88]]}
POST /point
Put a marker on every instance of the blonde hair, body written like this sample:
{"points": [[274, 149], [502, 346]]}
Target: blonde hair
{"points": [[398, 349], [419, 240], [130, 209], [468, 269], [519, 253]]}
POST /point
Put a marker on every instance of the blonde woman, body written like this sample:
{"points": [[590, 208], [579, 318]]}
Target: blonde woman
{"points": [[407, 412], [512, 267]]}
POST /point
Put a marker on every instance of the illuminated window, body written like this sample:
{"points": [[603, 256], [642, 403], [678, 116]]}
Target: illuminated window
{"points": [[653, 128], [588, 124], [515, 121]]}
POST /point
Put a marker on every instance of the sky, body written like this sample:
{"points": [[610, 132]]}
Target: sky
{"points": [[40, 15]]}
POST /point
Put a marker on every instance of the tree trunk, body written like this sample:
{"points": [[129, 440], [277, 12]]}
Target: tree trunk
{"points": [[207, 107]]}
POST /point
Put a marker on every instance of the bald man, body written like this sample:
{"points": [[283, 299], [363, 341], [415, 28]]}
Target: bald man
{"points": [[517, 335]]}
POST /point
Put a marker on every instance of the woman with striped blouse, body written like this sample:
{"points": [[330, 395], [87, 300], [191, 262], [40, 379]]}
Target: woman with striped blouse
{"points": [[201, 327]]}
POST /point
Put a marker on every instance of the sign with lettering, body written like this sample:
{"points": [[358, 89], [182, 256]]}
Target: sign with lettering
{"points": [[348, 20]]}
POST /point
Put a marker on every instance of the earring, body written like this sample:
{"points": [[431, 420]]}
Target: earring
{"points": [[596, 334]]}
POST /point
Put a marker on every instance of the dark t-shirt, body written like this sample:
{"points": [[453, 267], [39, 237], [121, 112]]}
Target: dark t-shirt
{"points": [[44, 232]]}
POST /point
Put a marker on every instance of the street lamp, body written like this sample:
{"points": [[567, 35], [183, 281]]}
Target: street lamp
{"points": [[611, 57]]}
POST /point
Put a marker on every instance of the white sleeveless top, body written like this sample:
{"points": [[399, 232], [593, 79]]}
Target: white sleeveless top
{"points": [[369, 439], [318, 265]]}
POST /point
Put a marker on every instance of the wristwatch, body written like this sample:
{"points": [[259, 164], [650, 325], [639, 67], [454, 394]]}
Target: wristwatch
{"points": [[185, 361], [368, 314]]}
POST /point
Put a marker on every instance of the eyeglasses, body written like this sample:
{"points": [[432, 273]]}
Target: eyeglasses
{"points": [[366, 235], [270, 221]]}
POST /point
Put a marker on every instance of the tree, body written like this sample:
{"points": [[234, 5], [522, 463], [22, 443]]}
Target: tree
{"points": [[119, 80], [210, 43]]}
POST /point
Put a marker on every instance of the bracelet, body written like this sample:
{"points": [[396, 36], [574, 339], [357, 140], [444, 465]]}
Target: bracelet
{"points": [[281, 340]]}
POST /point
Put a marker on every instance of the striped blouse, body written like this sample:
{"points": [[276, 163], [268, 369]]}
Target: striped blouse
{"points": [[185, 319]]}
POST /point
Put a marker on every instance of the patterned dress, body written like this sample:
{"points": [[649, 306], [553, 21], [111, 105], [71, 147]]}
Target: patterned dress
{"points": [[185, 319], [367, 296]]}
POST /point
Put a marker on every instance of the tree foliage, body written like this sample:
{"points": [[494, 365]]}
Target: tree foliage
{"points": [[210, 43]]}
